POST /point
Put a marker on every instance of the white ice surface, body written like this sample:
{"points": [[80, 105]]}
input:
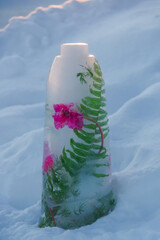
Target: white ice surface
{"points": [[124, 35]]}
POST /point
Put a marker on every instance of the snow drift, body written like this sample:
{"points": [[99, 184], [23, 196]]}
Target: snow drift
{"points": [[125, 36]]}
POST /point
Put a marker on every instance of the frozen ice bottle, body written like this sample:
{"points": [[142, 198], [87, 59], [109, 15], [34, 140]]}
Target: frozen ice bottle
{"points": [[77, 186]]}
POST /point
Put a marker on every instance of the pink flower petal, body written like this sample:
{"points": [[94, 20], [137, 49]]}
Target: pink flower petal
{"points": [[65, 115], [48, 162]]}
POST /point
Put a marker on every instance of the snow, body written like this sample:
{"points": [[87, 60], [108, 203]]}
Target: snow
{"points": [[124, 36]]}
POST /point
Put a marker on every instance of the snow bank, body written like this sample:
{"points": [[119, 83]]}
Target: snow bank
{"points": [[125, 36]]}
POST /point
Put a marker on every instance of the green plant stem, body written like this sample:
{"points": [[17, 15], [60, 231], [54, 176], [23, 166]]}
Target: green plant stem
{"points": [[100, 129], [99, 211], [52, 215]]}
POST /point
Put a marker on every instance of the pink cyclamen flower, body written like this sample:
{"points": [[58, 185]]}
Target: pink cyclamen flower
{"points": [[48, 162], [67, 115]]}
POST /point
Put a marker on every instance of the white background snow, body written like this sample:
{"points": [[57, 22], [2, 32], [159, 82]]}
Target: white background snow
{"points": [[124, 35]]}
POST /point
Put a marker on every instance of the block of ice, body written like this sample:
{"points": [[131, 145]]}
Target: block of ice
{"points": [[76, 163]]}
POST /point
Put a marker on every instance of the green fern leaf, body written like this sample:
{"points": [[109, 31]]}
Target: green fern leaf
{"points": [[95, 93], [79, 145], [90, 126], [97, 69], [100, 175], [88, 111], [69, 162], [92, 102], [97, 86], [98, 79], [79, 152], [86, 138], [77, 158]]}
